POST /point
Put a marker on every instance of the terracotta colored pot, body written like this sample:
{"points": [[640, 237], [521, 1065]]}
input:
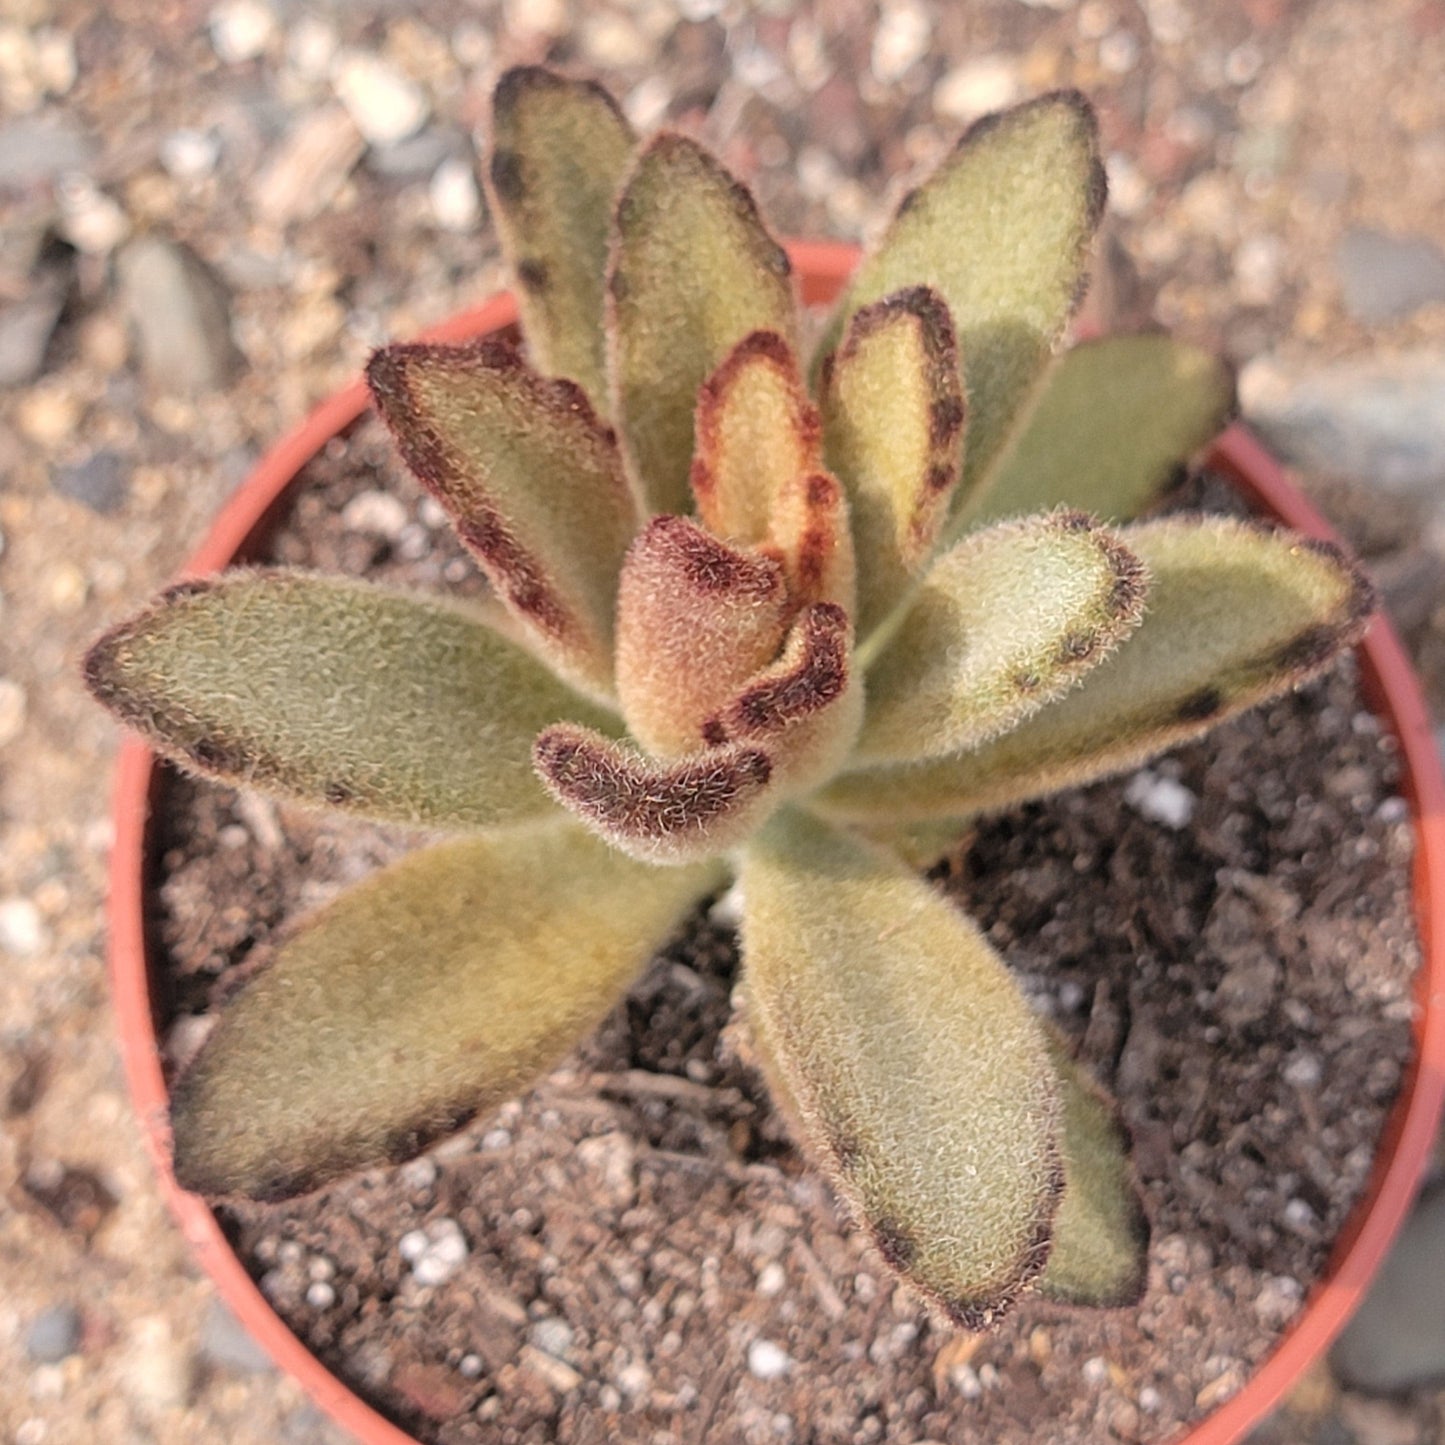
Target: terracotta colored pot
{"points": [[1389, 683]]}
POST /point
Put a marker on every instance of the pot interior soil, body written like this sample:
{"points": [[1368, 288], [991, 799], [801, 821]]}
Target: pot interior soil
{"points": [[646, 1258]]}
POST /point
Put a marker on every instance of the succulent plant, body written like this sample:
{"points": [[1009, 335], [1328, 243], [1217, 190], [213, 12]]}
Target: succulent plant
{"points": [[745, 621]]}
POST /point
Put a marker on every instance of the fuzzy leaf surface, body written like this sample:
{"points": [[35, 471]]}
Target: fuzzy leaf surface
{"points": [[338, 694], [692, 271], [1235, 614], [757, 434], [560, 149], [433, 991], [1111, 425], [696, 619], [893, 407], [1001, 231], [532, 481], [915, 1072], [1101, 1234], [1005, 622]]}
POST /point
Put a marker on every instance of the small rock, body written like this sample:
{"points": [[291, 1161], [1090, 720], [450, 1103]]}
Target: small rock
{"points": [[772, 1279], [190, 155], [37, 151], [1397, 1338], [552, 1336], [93, 222], [416, 156], [554, 1373], [436, 1252], [1258, 266], [22, 931], [101, 482], [386, 106], [320, 1294], [976, 87], [1385, 277], [13, 702], [634, 1380], [901, 40], [379, 513], [158, 1373], [25, 332], [241, 30], [225, 1343], [455, 201], [612, 1160], [1160, 799], [767, 1361], [312, 165], [54, 1335], [1379, 419], [181, 317]]}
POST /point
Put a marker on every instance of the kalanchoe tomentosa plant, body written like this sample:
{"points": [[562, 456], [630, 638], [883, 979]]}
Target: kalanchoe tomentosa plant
{"points": [[742, 624]]}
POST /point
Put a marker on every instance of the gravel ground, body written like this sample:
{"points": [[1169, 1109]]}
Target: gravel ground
{"points": [[208, 215]]}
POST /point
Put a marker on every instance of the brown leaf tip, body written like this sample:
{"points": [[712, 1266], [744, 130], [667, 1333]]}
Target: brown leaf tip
{"points": [[706, 564], [1200, 706], [1131, 579], [814, 674], [624, 794], [520, 81]]}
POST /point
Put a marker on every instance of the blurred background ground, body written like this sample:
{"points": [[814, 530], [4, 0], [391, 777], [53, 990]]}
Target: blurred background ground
{"points": [[210, 212]]}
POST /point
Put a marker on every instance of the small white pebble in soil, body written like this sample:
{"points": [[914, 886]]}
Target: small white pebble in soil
{"points": [[1303, 1070], [865, 1287], [1150, 1400], [552, 1336], [386, 106], [320, 1295], [901, 40], [1159, 799], [241, 30], [319, 1268], [1071, 995], [965, 1380], [1278, 1299], [772, 1279], [435, 1253], [469, 1367], [634, 1380], [22, 933], [379, 513], [496, 1138], [455, 201], [1299, 1216], [419, 1174], [767, 1361], [1095, 1370]]}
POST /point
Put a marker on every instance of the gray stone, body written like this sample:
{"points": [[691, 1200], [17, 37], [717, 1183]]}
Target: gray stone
{"points": [[25, 332], [418, 155], [35, 152], [224, 1343], [1397, 1339], [1385, 277], [1379, 420], [181, 316], [54, 1335], [101, 482]]}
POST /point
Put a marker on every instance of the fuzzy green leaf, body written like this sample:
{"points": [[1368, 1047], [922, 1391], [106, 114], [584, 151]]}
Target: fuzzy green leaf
{"points": [[757, 434], [692, 271], [1101, 1233], [532, 481], [433, 991], [1110, 427], [1001, 230], [1005, 622], [696, 619], [893, 418], [1236, 614], [914, 1070], [338, 694], [560, 149], [680, 811]]}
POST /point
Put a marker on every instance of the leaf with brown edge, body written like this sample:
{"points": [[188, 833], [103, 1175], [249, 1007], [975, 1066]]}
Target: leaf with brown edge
{"points": [[1236, 614], [435, 990], [692, 271], [679, 811], [894, 409], [1001, 230], [812, 535], [531, 480], [1003, 623], [338, 694], [1101, 1233], [757, 433], [915, 1072], [696, 619], [560, 148], [1109, 428]]}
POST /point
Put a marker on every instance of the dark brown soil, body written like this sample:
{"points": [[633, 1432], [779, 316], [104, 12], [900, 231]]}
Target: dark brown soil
{"points": [[647, 1257]]}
